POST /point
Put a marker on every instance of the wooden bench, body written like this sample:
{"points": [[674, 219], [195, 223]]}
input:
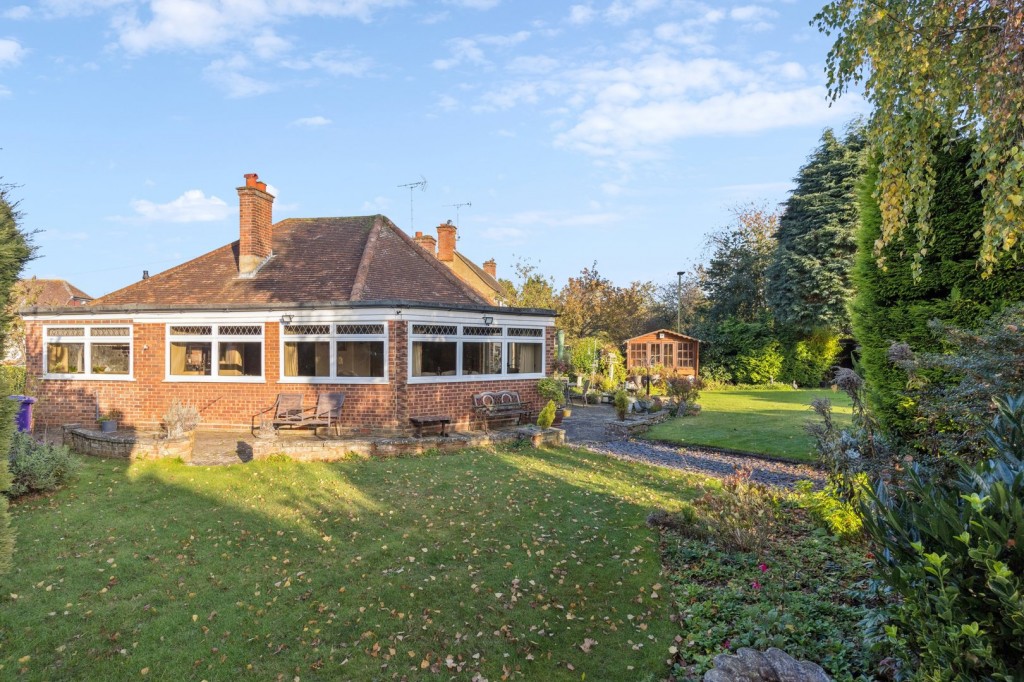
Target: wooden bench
{"points": [[287, 410], [501, 405], [431, 420]]}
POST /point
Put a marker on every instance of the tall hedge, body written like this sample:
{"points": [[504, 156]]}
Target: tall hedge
{"points": [[15, 251], [891, 306]]}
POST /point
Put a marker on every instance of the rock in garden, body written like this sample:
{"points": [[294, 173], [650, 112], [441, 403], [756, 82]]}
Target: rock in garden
{"points": [[774, 665]]}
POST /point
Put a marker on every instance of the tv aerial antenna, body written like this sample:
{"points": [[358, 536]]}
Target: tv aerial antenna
{"points": [[422, 184], [457, 207]]}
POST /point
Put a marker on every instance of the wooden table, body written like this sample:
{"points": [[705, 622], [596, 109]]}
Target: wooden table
{"points": [[431, 420]]}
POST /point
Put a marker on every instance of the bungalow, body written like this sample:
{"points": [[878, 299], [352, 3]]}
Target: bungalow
{"points": [[677, 353], [305, 305]]}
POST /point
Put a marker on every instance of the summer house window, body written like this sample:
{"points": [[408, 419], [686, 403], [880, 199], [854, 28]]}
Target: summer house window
{"points": [[475, 351], [88, 351], [326, 352], [226, 351]]}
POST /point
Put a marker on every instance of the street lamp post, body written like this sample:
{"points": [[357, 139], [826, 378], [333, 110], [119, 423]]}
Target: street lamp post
{"points": [[679, 303]]}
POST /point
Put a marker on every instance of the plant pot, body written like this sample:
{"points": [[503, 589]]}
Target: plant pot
{"points": [[559, 414], [108, 426], [567, 412]]}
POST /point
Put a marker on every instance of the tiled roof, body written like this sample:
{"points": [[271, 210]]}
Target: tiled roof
{"points": [[316, 260], [48, 293], [481, 274]]}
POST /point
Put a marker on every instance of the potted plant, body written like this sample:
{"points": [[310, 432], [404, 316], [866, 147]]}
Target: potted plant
{"points": [[108, 422], [554, 390]]}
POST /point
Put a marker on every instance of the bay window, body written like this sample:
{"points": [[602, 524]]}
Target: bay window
{"points": [[232, 352], [334, 353], [467, 352]]}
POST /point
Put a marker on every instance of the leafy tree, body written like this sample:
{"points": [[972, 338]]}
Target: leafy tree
{"points": [[735, 277], [937, 67], [534, 289], [591, 305], [686, 305], [809, 277], [15, 251], [891, 306]]}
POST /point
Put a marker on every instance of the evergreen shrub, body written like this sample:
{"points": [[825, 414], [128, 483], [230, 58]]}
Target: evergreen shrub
{"points": [[38, 467], [547, 415]]}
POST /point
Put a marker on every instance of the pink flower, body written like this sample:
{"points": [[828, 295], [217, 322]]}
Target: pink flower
{"points": [[763, 566], [726, 644], [756, 585]]}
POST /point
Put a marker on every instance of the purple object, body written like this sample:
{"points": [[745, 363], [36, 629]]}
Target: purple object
{"points": [[23, 420]]}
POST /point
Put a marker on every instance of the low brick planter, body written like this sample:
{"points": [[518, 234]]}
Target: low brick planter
{"points": [[126, 445]]}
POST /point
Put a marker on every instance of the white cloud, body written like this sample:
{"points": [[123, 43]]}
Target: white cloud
{"points": [[268, 45], [227, 75], [508, 97], [11, 52], [621, 11], [5, 91], [468, 50], [18, 12], [581, 14], [754, 17], [447, 103], [191, 207], [311, 122], [793, 71], [378, 205]]}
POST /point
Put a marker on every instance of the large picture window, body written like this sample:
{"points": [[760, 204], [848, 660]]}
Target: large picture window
{"points": [[451, 352], [232, 352], [334, 353], [88, 351]]}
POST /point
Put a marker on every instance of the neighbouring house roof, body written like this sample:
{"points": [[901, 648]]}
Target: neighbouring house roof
{"points": [[667, 332], [468, 270], [48, 293], [315, 260]]}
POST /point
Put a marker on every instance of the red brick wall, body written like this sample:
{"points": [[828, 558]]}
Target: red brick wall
{"points": [[255, 220], [368, 407]]}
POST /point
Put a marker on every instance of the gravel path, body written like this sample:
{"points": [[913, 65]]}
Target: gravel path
{"points": [[586, 429]]}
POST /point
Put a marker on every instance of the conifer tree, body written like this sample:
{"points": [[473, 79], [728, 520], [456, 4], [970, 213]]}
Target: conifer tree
{"points": [[809, 278], [15, 251]]}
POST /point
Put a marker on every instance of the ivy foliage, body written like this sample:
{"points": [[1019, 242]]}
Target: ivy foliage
{"points": [[891, 305], [936, 67]]}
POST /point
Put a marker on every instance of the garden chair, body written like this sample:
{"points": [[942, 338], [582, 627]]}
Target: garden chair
{"points": [[286, 411], [327, 412]]}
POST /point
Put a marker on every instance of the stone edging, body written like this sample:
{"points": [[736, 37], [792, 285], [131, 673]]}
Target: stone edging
{"points": [[130, 446], [636, 426]]}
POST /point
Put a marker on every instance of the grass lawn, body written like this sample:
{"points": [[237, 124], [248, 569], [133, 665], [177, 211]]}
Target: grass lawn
{"points": [[515, 564], [763, 422]]}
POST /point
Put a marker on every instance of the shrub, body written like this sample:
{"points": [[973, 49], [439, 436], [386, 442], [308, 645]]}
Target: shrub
{"points": [[952, 550], [13, 378], [830, 510], [547, 415], [38, 467], [715, 375], [808, 360], [621, 404], [181, 418], [552, 389], [685, 389], [759, 365]]}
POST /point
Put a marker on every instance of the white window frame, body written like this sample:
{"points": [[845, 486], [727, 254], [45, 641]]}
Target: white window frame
{"points": [[333, 338], [460, 338], [87, 340], [215, 338]]}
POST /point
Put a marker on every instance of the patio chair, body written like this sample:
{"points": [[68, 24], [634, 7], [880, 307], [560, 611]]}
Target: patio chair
{"points": [[286, 411], [327, 412], [580, 400]]}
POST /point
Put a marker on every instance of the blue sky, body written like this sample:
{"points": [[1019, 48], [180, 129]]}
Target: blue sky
{"points": [[620, 131]]}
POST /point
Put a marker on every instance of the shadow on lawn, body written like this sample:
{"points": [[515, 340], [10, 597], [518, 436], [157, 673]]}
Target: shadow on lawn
{"points": [[286, 567]]}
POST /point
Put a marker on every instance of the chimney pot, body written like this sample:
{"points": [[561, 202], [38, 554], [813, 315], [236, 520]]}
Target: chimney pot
{"points": [[426, 242], [446, 242], [145, 274]]}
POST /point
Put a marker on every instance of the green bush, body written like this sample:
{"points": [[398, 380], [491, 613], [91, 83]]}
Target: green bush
{"points": [[38, 467], [547, 415], [830, 510], [621, 404], [715, 375], [13, 378], [954, 552], [808, 361], [759, 365], [552, 389]]}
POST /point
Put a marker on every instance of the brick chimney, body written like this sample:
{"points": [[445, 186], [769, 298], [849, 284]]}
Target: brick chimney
{"points": [[491, 268], [446, 242], [255, 209], [427, 242]]}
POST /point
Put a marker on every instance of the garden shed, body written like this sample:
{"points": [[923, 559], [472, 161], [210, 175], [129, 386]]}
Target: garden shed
{"points": [[676, 353]]}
